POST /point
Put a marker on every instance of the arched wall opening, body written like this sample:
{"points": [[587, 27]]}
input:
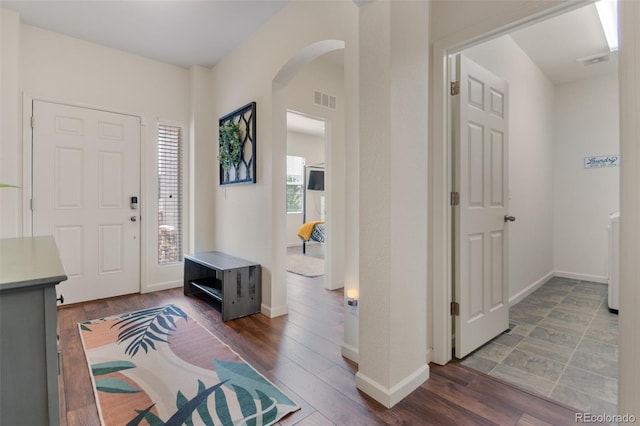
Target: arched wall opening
{"points": [[334, 182]]}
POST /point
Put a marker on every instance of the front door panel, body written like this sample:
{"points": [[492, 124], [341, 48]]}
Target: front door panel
{"points": [[86, 166]]}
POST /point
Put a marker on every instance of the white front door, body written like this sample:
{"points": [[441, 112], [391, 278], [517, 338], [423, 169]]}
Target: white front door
{"points": [[480, 224], [86, 168]]}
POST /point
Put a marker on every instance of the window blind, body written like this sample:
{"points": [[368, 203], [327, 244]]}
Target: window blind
{"points": [[169, 194]]}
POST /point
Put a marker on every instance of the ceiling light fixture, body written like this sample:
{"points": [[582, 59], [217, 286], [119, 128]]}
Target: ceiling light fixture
{"points": [[608, 12]]}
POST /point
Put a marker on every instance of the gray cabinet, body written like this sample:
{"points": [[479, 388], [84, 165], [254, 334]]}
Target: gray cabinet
{"points": [[233, 282], [30, 268]]}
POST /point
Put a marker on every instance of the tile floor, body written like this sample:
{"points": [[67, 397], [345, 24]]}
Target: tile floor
{"points": [[562, 343]]}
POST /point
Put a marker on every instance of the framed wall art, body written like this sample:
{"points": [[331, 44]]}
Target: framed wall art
{"points": [[237, 146]]}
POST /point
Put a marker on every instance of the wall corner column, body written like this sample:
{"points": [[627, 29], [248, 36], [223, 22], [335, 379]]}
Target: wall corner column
{"points": [[10, 126], [202, 166], [393, 73]]}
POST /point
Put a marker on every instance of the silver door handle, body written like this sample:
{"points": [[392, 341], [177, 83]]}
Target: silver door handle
{"points": [[508, 218], [134, 218]]}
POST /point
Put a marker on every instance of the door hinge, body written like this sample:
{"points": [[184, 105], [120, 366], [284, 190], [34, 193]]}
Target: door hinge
{"points": [[455, 309], [455, 198], [32, 122], [31, 204], [455, 88]]}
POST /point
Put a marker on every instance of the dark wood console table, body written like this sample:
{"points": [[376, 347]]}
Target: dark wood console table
{"points": [[235, 283]]}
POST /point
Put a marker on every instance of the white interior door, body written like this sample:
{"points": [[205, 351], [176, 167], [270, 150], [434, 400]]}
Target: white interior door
{"points": [[481, 172], [86, 168]]}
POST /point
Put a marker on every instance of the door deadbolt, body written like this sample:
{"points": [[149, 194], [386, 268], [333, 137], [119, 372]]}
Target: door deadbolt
{"points": [[508, 218], [134, 218]]}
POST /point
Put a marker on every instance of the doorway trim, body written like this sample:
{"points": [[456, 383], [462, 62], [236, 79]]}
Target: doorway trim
{"points": [[440, 164]]}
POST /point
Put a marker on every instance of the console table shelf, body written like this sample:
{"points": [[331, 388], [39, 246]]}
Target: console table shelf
{"points": [[211, 286], [235, 283]]}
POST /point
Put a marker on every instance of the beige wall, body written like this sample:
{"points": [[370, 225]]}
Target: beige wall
{"points": [[257, 72], [587, 124], [10, 126], [58, 68]]}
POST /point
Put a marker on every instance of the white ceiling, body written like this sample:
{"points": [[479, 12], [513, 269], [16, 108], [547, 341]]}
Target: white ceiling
{"points": [[201, 32], [183, 33], [557, 45]]}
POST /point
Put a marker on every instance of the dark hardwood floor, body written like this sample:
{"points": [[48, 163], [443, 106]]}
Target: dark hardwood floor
{"points": [[300, 352]]}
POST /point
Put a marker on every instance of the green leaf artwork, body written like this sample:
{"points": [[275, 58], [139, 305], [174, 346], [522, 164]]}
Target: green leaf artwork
{"points": [[241, 374], [247, 405], [203, 410], [230, 145], [269, 408], [113, 385], [147, 415], [110, 367], [222, 407], [185, 410], [145, 327]]}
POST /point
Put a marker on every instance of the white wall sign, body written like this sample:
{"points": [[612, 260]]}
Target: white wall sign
{"points": [[601, 161]]}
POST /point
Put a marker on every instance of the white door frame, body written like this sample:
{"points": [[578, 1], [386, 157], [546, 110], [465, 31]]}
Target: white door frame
{"points": [[27, 170], [440, 163]]}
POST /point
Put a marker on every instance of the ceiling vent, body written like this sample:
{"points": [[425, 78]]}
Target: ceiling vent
{"points": [[593, 60], [323, 99]]}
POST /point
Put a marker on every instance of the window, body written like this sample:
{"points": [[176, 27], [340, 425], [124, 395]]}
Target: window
{"points": [[295, 172], [169, 194]]}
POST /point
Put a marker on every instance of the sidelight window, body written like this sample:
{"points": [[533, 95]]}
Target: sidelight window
{"points": [[169, 194], [295, 172]]}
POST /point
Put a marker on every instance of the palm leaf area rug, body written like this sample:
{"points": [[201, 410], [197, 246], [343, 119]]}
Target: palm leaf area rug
{"points": [[159, 367]]}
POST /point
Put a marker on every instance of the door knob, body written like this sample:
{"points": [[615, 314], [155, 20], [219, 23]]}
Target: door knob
{"points": [[134, 218], [508, 218]]}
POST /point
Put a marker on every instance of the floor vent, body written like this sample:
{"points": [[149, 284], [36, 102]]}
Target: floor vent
{"points": [[323, 99]]}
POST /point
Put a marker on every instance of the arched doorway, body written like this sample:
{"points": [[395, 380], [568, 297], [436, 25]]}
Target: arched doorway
{"points": [[334, 180]]}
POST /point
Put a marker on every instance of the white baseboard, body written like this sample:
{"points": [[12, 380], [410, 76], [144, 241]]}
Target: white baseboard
{"points": [[582, 277], [274, 312], [530, 289], [161, 286], [560, 274], [391, 396], [331, 286], [350, 352]]}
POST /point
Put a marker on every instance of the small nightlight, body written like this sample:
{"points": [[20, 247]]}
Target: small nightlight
{"points": [[352, 297]]}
